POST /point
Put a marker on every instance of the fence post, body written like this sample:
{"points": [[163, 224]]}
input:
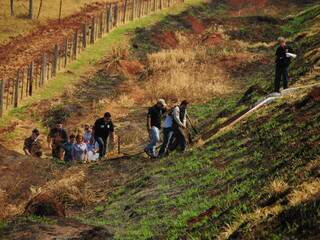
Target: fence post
{"points": [[2, 88], [22, 83], [119, 145], [43, 68], [101, 25], [125, 11], [30, 78], [65, 52], [109, 10], [55, 60], [140, 8], [75, 44], [84, 35], [16, 90], [92, 31], [116, 15]]}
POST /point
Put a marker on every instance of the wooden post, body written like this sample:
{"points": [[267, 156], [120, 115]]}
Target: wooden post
{"points": [[119, 145], [65, 52], [11, 7], [116, 15], [2, 88], [101, 25], [16, 90], [22, 83], [109, 12], [125, 5], [30, 9], [92, 31], [30, 78], [75, 44], [55, 60], [140, 8], [43, 68], [84, 35], [133, 10]]}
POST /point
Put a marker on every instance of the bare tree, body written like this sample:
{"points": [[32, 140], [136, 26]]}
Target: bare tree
{"points": [[11, 8]]}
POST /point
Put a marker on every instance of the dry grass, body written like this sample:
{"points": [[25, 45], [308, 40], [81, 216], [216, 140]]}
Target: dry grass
{"points": [[305, 192], [70, 189], [278, 186], [184, 73], [259, 215], [13, 26]]}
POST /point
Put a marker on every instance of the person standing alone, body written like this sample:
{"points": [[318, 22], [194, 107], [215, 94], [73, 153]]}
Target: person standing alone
{"points": [[103, 130], [154, 117], [283, 60]]}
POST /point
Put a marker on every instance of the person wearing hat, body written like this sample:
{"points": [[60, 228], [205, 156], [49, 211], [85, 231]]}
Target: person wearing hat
{"points": [[154, 118], [33, 144], [283, 60], [57, 137], [102, 131]]}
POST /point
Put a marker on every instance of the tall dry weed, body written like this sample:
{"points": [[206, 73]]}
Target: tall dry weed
{"points": [[70, 189], [180, 75]]}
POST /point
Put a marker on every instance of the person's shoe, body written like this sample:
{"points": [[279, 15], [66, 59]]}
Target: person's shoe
{"points": [[148, 153]]}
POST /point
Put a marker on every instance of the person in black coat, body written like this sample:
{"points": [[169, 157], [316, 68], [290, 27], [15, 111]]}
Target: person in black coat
{"points": [[283, 60]]}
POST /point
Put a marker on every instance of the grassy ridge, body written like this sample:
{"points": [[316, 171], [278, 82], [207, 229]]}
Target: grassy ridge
{"points": [[248, 177]]}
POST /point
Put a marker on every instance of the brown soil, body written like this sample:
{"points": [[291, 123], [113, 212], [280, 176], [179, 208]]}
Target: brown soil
{"points": [[213, 39], [132, 67], [315, 94], [166, 40], [59, 228], [45, 205], [196, 25]]}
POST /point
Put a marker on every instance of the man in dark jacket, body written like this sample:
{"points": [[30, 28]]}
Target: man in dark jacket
{"points": [[154, 118], [283, 60], [33, 144], [102, 130], [56, 139]]}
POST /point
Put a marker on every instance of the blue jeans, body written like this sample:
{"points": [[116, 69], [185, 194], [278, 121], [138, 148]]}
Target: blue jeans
{"points": [[103, 146], [167, 138], [154, 139]]}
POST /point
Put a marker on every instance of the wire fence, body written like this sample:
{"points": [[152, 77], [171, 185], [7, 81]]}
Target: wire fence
{"points": [[33, 76]]}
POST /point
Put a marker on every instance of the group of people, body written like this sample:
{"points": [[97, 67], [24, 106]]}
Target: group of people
{"points": [[91, 144], [174, 128]]}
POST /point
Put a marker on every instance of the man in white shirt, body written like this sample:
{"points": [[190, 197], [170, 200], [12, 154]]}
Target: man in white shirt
{"points": [[167, 134], [179, 114]]}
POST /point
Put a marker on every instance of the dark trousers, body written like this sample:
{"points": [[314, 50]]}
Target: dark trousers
{"points": [[103, 146], [180, 141], [167, 138], [281, 75]]}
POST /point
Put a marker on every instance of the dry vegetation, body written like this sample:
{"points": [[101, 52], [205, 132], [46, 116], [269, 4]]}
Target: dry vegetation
{"points": [[19, 24]]}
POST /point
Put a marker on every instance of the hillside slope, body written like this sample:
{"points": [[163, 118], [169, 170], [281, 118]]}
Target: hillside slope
{"points": [[258, 179]]}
